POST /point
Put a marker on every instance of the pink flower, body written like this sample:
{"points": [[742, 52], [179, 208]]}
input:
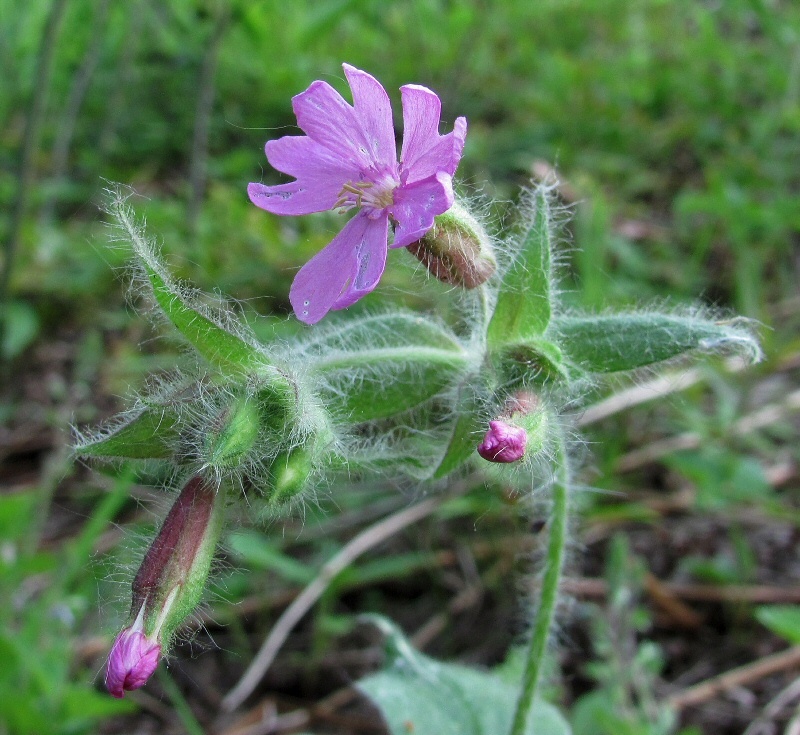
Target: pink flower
{"points": [[503, 442], [348, 160], [132, 660]]}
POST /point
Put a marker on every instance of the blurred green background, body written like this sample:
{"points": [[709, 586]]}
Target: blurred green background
{"points": [[674, 128]]}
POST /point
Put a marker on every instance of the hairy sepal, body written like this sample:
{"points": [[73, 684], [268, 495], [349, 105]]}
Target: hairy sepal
{"points": [[621, 342], [523, 306], [148, 433], [382, 365], [418, 694]]}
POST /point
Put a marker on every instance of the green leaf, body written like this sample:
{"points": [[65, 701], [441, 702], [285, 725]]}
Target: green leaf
{"points": [[379, 366], [419, 695], [535, 362], [467, 434], [523, 305], [783, 620], [608, 344], [227, 347], [149, 434], [257, 552], [17, 511], [224, 350]]}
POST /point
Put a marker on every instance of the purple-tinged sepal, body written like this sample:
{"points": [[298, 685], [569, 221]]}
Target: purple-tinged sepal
{"points": [[168, 585], [457, 249]]}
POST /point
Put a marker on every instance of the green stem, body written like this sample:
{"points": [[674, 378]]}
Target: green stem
{"points": [[549, 596]]}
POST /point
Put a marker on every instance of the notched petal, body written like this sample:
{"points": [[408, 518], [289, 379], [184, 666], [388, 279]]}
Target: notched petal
{"points": [[374, 112], [424, 151]]}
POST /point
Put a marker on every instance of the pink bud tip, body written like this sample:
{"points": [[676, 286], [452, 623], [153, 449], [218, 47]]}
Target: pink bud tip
{"points": [[132, 661], [503, 443]]}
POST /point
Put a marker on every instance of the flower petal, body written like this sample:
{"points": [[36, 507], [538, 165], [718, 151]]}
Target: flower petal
{"points": [[320, 174], [303, 158], [369, 263], [345, 270], [324, 116], [296, 197], [424, 151], [416, 205], [131, 662], [374, 111]]}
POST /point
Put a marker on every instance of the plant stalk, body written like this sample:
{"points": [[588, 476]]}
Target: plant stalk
{"points": [[549, 596]]}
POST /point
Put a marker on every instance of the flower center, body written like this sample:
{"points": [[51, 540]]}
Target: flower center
{"points": [[371, 196]]}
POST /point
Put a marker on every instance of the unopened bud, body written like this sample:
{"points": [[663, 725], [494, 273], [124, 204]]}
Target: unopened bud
{"points": [[233, 433], [132, 660], [456, 249], [519, 429], [289, 475], [503, 443], [168, 585]]}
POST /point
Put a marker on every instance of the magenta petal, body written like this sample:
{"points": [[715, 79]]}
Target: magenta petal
{"points": [[416, 205], [325, 117], [424, 151], [374, 111], [503, 443], [308, 161], [131, 662], [346, 269], [293, 198], [369, 263]]}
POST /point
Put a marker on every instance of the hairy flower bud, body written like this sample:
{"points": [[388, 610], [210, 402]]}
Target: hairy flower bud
{"points": [[233, 433], [168, 585], [503, 443], [456, 249], [519, 429]]}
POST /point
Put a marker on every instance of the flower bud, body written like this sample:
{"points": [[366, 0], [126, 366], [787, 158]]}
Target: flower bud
{"points": [[132, 660], [456, 249], [168, 585], [520, 428], [289, 474], [503, 443], [233, 433]]}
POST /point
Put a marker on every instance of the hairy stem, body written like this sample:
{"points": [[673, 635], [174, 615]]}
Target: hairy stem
{"points": [[549, 595]]}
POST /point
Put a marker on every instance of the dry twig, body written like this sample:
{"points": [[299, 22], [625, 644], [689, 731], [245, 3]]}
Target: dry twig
{"points": [[365, 541], [741, 676]]}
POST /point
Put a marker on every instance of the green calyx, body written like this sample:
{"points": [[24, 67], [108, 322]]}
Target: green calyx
{"points": [[234, 433], [457, 249], [290, 473]]}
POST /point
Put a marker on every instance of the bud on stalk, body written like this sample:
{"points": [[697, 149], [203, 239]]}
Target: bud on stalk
{"points": [[456, 249], [518, 430], [168, 585]]}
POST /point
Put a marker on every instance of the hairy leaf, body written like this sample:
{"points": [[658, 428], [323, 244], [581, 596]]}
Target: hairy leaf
{"points": [[608, 344], [149, 434], [419, 695], [523, 305], [379, 366]]}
